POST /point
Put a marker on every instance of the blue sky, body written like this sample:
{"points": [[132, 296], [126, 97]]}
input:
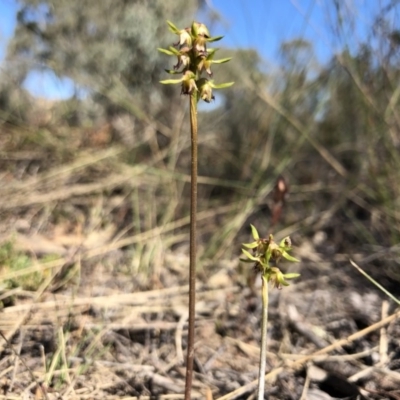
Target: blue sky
{"points": [[264, 24], [8, 9], [258, 24]]}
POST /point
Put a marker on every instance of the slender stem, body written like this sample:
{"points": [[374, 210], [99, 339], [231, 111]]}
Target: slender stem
{"points": [[263, 352], [192, 268]]}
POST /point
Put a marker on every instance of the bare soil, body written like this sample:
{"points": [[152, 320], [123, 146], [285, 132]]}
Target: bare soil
{"points": [[107, 334]]}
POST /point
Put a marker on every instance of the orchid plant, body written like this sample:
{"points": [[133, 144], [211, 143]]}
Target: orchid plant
{"points": [[193, 60], [266, 256]]}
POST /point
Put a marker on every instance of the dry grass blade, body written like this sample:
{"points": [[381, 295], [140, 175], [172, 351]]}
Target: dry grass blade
{"points": [[380, 287]]}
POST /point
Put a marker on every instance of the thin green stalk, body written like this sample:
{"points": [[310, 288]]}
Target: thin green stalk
{"points": [[192, 267], [265, 249], [263, 350]]}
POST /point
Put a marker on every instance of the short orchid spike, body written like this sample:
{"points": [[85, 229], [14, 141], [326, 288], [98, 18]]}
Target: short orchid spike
{"points": [[194, 58], [266, 256]]}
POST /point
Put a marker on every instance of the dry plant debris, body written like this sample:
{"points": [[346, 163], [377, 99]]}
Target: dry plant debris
{"points": [[93, 297]]}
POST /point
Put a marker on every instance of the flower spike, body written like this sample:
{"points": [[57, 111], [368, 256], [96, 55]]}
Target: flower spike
{"points": [[193, 58], [266, 256]]}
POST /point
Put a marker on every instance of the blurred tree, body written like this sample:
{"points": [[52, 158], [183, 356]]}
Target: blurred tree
{"points": [[299, 94], [241, 117], [107, 48]]}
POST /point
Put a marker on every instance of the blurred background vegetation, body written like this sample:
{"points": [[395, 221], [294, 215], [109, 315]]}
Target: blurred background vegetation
{"points": [[107, 170]]}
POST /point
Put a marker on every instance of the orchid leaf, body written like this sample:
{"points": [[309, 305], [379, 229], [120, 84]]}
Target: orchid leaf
{"points": [[165, 51], [173, 28], [222, 61], [292, 275], [214, 39], [172, 71], [171, 81], [250, 256], [246, 260], [254, 232], [221, 85], [288, 257], [250, 245]]}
